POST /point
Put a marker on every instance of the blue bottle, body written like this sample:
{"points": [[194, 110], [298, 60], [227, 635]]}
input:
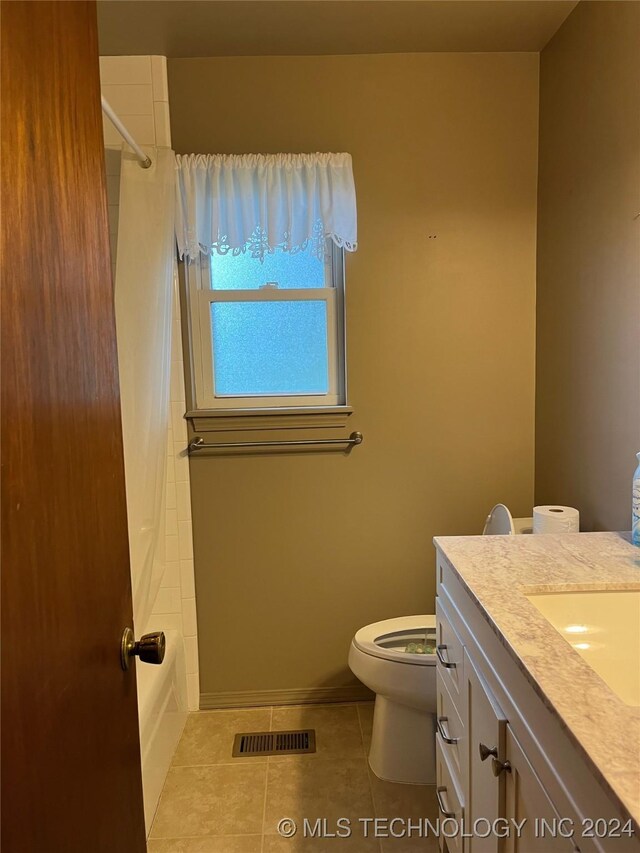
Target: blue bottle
{"points": [[635, 505]]}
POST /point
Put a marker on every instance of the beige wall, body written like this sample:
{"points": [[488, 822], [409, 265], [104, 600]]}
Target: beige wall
{"points": [[588, 316], [294, 553]]}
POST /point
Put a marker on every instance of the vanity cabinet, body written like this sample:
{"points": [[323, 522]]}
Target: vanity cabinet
{"points": [[503, 757]]}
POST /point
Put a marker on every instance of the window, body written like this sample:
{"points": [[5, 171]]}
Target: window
{"points": [[268, 333], [263, 237]]}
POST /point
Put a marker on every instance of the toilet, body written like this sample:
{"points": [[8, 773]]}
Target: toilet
{"points": [[403, 739]]}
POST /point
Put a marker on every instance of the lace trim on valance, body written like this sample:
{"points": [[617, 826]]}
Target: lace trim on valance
{"points": [[258, 244]]}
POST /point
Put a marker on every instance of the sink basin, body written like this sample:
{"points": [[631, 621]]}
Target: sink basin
{"points": [[603, 626]]}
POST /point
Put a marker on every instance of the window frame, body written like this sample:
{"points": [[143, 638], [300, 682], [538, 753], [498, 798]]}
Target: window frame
{"points": [[198, 344]]}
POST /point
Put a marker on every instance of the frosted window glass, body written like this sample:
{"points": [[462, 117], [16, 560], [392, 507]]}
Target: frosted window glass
{"points": [[270, 348], [243, 272]]}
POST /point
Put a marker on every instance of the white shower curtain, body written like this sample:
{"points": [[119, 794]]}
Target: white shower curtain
{"points": [[143, 289]]}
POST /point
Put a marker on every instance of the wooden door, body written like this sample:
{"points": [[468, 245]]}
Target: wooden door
{"points": [[71, 780]]}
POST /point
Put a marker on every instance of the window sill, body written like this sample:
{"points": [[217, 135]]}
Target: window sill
{"points": [[237, 420]]}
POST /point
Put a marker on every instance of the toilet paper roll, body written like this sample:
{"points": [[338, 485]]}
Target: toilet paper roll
{"points": [[556, 519]]}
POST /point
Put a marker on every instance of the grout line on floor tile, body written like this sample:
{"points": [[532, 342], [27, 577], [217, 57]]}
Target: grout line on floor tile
{"points": [[206, 837], [361, 731], [366, 758], [233, 762], [266, 787], [373, 800]]}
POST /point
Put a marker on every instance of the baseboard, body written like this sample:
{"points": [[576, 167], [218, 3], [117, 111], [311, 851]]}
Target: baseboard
{"points": [[298, 696]]}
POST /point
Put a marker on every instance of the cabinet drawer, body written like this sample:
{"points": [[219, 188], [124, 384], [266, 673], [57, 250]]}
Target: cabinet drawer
{"points": [[450, 654], [450, 728], [450, 799], [443, 574]]}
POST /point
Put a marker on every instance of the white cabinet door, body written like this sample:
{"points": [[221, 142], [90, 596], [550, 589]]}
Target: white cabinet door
{"points": [[449, 651], [486, 727], [526, 801]]}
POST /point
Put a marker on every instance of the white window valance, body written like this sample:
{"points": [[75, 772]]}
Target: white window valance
{"points": [[259, 202]]}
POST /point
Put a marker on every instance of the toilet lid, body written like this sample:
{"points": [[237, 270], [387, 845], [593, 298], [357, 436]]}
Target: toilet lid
{"points": [[390, 638], [499, 522]]}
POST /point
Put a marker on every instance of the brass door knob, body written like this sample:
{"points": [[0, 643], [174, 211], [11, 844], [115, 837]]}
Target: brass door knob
{"points": [[150, 648]]}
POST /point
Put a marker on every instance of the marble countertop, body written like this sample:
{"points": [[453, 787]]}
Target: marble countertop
{"points": [[499, 572]]}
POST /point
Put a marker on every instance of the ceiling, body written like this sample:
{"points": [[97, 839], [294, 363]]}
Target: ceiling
{"points": [[298, 27]]}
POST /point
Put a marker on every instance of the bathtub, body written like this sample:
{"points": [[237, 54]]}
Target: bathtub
{"points": [[162, 713]]}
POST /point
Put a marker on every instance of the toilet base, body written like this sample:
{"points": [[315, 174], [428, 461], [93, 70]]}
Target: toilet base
{"points": [[403, 743]]}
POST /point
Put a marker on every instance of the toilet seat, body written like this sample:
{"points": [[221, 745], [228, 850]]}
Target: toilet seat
{"points": [[388, 639]]}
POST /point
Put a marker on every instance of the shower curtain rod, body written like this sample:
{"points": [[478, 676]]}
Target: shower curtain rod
{"points": [[145, 161]]}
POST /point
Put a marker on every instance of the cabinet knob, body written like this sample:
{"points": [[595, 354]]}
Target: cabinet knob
{"points": [[498, 767], [485, 752]]}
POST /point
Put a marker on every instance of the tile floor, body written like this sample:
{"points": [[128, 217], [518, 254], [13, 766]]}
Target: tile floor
{"points": [[213, 803]]}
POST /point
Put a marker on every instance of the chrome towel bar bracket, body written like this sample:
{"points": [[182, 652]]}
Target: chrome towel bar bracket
{"points": [[198, 443]]}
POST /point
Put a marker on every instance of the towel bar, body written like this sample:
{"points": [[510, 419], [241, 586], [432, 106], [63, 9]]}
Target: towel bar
{"points": [[198, 443]]}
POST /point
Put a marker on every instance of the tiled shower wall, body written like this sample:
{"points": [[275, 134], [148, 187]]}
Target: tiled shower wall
{"points": [[136, 88]]}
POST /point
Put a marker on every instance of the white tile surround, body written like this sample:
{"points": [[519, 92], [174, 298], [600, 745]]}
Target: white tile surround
{"points": [[136, 88]]}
